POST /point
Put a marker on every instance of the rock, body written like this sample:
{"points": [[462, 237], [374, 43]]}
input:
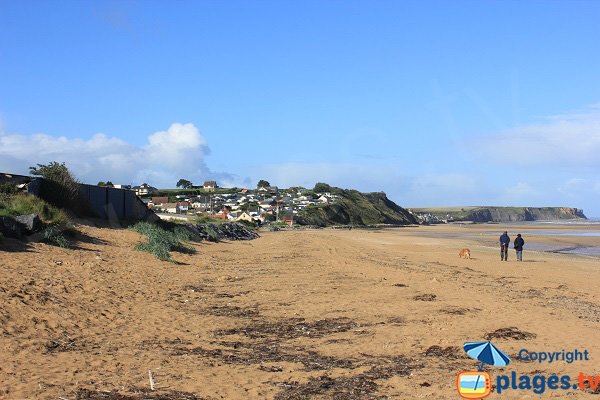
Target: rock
{"points": [[31, 222], [9, 227], [227, 231]]}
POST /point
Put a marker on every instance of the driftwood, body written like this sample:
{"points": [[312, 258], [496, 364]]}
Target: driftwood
{"points": [[151, 379]]}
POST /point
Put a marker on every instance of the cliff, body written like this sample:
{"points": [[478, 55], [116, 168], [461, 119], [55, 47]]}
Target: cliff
{"points": [[496, 214], [352, 207]]}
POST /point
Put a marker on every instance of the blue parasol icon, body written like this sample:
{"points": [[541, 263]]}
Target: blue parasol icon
{"points": [[486, 353]]}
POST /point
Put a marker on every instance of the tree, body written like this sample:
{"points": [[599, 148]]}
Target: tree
{"points": [[262, 183], [59, 187], [184, 184], [110, 184], [54, 171], [107, 184], [101, 183], [321, 187]]}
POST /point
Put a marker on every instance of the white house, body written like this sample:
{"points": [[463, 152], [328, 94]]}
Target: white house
{"points": [[244, 217], [144, 189], [210, 186], [323, 200]]}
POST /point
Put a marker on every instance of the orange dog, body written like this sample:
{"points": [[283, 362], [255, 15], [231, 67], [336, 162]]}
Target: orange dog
{"points": [[466, 253]]}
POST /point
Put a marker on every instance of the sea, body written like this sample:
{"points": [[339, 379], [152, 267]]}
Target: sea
{"points": [[588, 250], [589, 228]]}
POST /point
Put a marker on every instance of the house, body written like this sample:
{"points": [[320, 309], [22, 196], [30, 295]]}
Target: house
{"points": [[144, 189], [210, 186], [128, 187], [169, 208], [268, 189], [157, 201], [288, 219], [223, 214], [245, 217], [175, 208], [323, 199], [182, 206]]}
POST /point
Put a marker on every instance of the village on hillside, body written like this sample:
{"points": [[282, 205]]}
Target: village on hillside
{"points": [[265, 203]]}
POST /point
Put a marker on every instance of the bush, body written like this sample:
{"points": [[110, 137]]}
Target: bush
{"points": [[60, 188], [161, 241], [53, 235], [207, 219], [247, 224], [8, 188]]}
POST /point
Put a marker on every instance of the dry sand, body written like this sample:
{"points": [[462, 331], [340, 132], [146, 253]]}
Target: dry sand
{"points": [[293, 315]]}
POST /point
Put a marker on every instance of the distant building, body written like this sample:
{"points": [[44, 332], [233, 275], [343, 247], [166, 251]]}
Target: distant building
{"points": [[245, 217], [175, 208], [210, 186], [288, 219], [169, 207], [268, 189], [157, 201], [144, 189], [182, 206]]}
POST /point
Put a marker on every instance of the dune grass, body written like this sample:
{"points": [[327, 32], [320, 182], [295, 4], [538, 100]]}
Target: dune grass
{"points": [[161, 242], [21, 204], [55, 220]]}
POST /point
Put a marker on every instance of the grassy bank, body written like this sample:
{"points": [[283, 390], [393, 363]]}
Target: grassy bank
{"points": [[55, 221], [20, 204]]}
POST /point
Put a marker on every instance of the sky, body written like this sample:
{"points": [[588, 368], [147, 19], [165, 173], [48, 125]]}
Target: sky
{"points": [[437, 103]]}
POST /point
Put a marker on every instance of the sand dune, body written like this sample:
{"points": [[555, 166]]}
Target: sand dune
{"points": [[292, 315]]}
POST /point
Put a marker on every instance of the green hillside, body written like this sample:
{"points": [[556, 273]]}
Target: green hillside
{"points": [[352, 207]]}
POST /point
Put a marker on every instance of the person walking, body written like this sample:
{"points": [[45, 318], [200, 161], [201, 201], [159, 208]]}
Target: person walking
{"points": [[504, 242], [519, 242]]}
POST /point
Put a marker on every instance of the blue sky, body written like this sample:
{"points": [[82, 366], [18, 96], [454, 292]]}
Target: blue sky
{"points": [[435, 103]]}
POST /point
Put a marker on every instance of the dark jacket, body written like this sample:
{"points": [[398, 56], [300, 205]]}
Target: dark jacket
{"points": [[519, 242], [505, 239]]}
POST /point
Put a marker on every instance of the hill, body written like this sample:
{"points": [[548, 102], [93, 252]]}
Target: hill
{"points": [[352, 207], [496, 214]]}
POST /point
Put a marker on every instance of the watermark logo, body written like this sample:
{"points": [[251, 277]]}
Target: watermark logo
{"points": [[474, 384], [478, 384]]}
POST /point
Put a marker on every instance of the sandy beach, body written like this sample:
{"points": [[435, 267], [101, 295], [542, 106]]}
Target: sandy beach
{"points": [[344, 314]]}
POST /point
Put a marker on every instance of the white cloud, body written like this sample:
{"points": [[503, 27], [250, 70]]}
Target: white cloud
{"points": [[178, 152], [566, 140]]}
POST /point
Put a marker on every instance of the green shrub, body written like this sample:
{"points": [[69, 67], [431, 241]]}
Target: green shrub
{"points": [[8, 188], [279, 224], [162, 241], [53, 235], [247, 224], [207, 219]]}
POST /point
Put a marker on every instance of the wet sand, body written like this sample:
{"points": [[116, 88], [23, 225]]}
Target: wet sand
{"points": [[293, 315]]}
